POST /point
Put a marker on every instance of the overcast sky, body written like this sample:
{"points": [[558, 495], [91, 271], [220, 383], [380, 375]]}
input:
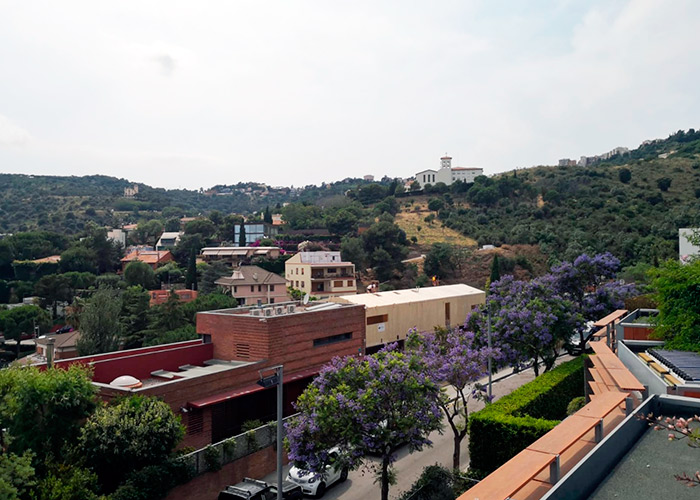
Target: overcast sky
{"points": [[193, 94]]}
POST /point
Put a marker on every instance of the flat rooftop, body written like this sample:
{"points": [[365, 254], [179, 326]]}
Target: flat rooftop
{"points": [[410, 295], [159, 377], [277, 309], [648, 469], [684, 363]]}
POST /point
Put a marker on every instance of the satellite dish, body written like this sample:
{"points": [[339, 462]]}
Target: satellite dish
{"points": [[305, 300]]}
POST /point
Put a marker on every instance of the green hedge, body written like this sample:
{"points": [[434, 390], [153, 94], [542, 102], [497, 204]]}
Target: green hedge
{"points": [[504, 428]]}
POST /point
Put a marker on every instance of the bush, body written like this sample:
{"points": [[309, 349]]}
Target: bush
{"points": [[521, 417], [575, 405]]}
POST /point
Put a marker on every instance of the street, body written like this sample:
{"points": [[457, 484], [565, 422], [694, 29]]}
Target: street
{"points": [[360, 483]]}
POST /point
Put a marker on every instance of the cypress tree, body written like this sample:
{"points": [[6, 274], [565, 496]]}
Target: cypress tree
{"points": [[191, 276], [241, 236], [495, 270]]}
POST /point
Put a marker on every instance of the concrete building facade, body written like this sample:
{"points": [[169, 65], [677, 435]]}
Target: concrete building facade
{"points": [[321, 274]]}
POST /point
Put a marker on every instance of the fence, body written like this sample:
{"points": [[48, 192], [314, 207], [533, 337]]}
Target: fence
{"points": [[229, 450]]}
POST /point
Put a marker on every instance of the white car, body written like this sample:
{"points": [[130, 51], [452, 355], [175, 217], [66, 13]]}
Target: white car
{"points": [[316, 484]]}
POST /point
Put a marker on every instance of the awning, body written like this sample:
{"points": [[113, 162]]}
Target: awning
{"points": [[249, 389]]}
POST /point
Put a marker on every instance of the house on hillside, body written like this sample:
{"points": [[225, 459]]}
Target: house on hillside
{"points": [[64, 345], [448, 174], [321, 274], [154, 258], [235, 255], [255, 231], [253, 285], [168, 239], [161, 296]]}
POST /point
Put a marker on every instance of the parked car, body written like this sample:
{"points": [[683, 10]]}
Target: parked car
{"points": [[254, 489], [316, 484]]}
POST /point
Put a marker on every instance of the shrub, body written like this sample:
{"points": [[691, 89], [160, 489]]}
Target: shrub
{"points": [[212, 457], [521, 417], [575, 405]]}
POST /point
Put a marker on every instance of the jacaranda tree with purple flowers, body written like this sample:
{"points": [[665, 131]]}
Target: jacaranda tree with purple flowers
{"points": [[530, 321], [365, 406], [589, 284], [452, 357]]}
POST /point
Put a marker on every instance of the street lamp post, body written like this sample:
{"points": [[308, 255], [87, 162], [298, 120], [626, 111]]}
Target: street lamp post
{"points": [[269, 381]]}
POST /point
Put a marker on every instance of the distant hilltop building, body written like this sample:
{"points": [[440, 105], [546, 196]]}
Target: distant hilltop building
{"points": [[131, 191], [369, 178], [587, 161], [448, 174]]}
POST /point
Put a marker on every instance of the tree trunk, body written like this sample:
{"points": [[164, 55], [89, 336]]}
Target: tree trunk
{"points": [[455, 453], [385, 478], [536, 367]]}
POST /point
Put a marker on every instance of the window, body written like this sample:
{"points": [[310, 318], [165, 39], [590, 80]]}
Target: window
{"points": [[447, 313], [331, 270], [252, 288], [271, 288], [351, 283], [332, 339], [297, 270], [302, 284], [272, 301], [302, 271], [373, 320], [259, 288], [297, 286], [235, 289], [338, 284]]}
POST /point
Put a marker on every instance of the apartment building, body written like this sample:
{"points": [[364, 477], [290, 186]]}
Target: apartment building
{"points": [[321, 274]]}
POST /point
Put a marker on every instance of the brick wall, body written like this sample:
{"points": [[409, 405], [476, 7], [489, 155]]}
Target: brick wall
{"points": [[208, 485]]}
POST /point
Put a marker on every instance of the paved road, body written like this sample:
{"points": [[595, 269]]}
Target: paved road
{"points": [[360, 484]]}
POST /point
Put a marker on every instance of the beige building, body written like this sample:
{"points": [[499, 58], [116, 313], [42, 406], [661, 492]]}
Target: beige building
{"points": [[321, 274], [390, 315]]}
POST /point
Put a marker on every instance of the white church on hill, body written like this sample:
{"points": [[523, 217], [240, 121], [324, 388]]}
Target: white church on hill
{"points": [[448, 174]]}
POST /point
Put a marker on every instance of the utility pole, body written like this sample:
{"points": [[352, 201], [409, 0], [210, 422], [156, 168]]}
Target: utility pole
{"points": [[269, 381]]}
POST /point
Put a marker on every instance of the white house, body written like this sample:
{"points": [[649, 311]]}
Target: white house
{"points": [[448, 174]]}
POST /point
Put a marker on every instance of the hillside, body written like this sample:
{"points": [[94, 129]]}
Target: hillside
{"points": [[66, 204]]}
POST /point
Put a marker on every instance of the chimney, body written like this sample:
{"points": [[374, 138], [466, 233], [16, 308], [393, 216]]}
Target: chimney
{"points": [[50, 350]]}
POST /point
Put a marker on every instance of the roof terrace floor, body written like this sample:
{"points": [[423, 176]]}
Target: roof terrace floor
{"points": [[648, 469]]}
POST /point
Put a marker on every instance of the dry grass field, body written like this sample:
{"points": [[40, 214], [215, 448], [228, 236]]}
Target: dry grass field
{"points": [[413, 217]]}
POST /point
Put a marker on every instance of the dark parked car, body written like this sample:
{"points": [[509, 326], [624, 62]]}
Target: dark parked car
{"points": [[253, 489]]}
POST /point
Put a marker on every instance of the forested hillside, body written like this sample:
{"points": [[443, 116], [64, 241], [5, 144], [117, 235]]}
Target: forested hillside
{"points": [[66, 204]]}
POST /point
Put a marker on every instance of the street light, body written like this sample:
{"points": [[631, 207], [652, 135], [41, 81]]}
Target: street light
{"points": [[269, 381]]}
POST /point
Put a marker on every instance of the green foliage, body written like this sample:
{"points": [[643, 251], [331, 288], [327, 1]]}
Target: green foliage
{"points": [[42, 411], [139, 273], [495, 270], [191, 276], [133, 433], [242, 241], [134, 315], [625, 175], [153, 481], [353, 250], [17, 476], [100, 325], [185, 332], [522, 416], [147, 233], [79, 258], [69, 483], [575, 405], [435, 483], [21, 320], [677, 289], [439, 261], [213, 272], [664, 183], [212, 457]]}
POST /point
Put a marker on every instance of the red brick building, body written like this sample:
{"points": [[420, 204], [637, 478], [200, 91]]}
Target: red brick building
{"points": [[211, 382]]}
